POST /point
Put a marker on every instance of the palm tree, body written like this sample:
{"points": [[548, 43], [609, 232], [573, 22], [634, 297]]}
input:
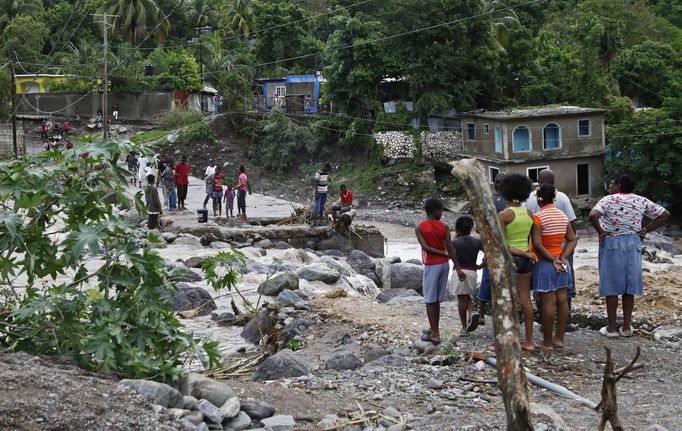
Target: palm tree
{"points": [[201, 13], [134, 18], [502, 20], [238, 18], [11, 8]]}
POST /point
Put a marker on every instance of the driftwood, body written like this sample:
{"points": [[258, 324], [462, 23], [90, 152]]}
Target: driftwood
{"points": [[608, 404], [510, 374]]}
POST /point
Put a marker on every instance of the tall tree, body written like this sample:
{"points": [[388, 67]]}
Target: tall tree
{"points": [[238, 18], [201, 13], [11, 8], [134, 18]]}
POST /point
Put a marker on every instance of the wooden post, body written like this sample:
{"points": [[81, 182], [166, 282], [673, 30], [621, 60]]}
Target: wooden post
{"points": [[510, 374], [608, 404]]}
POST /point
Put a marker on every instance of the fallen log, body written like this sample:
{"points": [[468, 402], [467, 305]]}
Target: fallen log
{"points": [[510, 374]]}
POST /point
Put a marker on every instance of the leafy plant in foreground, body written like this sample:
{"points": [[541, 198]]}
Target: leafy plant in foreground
{"points": [[76, 278]]}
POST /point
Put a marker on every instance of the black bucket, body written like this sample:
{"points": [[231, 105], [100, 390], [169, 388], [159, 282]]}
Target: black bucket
{"points": [[203, 215]]}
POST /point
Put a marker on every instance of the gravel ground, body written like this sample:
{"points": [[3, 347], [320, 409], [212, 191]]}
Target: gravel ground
{"points": [[48, 394]]}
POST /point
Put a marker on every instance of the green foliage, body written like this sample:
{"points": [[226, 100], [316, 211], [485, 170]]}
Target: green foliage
{"points": [[224, 269], [649, 147], [175, 70], [149, 136], [236, 90], [618, 109], [180, 117], [79, 280], [195, 132], [295, 344], [5, 95], [134, 18], [25, 35]]}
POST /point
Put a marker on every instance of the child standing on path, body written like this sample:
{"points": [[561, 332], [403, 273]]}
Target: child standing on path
{"points": [[467, 248], [517, 222], [217, 194], [434, 237], [229, 201]]}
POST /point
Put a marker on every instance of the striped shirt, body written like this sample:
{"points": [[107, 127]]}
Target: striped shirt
{"points": [[553, 223], [321, 179]]}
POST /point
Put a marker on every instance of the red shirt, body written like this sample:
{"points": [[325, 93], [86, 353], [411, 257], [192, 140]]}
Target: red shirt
{"points": [[347, 199], [182, 174], [218, 182], [434, 234]]}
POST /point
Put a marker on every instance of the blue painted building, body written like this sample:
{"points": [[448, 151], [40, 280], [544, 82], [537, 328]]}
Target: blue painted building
{"points": [[294, 93]]}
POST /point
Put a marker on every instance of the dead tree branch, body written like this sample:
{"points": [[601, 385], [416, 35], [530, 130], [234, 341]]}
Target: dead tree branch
{"points": [[609, 404], [510, 374]]}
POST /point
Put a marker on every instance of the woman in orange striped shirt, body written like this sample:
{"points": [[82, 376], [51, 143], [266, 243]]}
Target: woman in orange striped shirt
{"points": [[553, 241]]}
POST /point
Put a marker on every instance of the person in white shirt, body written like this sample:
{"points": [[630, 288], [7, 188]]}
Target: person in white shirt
{"points": [[142, 169], [562, 203], [208, 180]]}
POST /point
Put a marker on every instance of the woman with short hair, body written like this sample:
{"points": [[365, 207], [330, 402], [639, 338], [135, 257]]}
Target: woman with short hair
{"points": [[618, 221]]}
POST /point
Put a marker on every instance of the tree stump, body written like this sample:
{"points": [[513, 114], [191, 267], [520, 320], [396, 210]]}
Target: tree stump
{"points": [[608, 404], [510, 374]]}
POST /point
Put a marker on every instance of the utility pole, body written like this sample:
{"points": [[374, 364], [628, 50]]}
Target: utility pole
{"points": [[105, 77], [14, 115], [198, 31]]}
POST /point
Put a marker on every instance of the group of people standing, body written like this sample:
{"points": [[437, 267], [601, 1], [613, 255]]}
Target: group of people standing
{"points": [[219, 191], [539, 230]]}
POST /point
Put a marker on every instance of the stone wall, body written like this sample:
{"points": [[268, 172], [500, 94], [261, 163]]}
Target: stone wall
{"points": [[441, 146], [6, 144], [435, 146]]}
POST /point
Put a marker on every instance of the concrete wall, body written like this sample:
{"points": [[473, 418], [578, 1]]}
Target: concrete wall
{"points": [[572, 145], [149, 106], [6, 142], [565, 170]]}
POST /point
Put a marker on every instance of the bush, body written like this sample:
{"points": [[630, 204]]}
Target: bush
{"points": [[115, 318], [180, 117], [195, 132]]}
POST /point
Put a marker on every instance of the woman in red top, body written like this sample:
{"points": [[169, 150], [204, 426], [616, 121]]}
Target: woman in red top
{"points": [[217, 193], [182, 181]]}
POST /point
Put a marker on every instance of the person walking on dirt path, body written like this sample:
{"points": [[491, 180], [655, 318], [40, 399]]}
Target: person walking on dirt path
{"points": [[516, 221], [321, 181], [142, 169], [151, 197], [168, 180], [484, 291], [229, 201], [562, 203], [434, 238], [617, 219], [217, 180], [208, 180], [182, 181], [467, 248], [243, 186], [553, 241]]}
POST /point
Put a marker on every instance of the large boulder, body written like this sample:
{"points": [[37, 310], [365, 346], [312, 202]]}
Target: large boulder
{"points": [[257, 409], [278, 283], [382, 270], [239, 423], [335, 242], [296, 256], [343, 361], [363, 265], [156, 392], [288, 297], [281, 365], [195, 261], [279, 423], [317, 272], [132, 215], [257, 327], [363, 285], [188, 240], [661, 242], [181, 273], [202, 387], [335, 265], [407, 276], [389, 294], [190, 298]]}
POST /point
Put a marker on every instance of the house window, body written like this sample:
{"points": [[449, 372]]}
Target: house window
{"points": [[534, 172], [521, 139], [471, 131], [583, 179], [551, 137], [584, 128], [498, 140], [280, 91], [492, 173], [486, 129]]}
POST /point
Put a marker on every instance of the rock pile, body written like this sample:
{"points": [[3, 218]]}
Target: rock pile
{"points": [[441, 146], [397, 145]]}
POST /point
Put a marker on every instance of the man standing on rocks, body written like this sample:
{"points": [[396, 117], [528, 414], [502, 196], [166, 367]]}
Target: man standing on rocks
{"points": [[182, 181], [321, 180], [563, 203], [151, 197], [434, 238]]}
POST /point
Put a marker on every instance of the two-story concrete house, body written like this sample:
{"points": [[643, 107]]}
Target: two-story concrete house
{"points": [[569, 140]]}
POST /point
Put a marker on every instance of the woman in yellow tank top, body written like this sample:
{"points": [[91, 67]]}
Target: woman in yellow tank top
{"points": [[517, 222]]}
